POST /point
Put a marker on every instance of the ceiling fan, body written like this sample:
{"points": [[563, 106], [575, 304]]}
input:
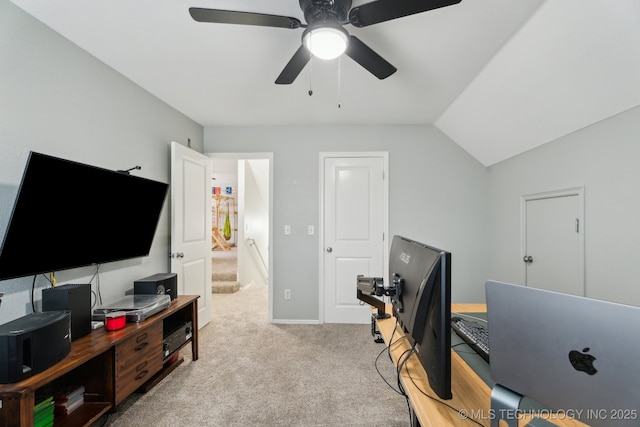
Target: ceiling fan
{"points": [[324, 35]]}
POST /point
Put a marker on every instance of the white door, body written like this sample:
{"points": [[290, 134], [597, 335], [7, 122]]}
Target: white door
{"points": [[191, 226], [554, 242], [354, 227]]}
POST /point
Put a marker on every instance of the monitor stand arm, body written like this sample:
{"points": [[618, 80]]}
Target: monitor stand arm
{"points": [[380, 306], [504, 406], [376, 303]]}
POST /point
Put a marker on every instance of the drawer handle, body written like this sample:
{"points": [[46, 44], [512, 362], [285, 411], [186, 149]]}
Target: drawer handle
{"points": [[141, 375], [141, 346], [141, 337], [141, 366]]}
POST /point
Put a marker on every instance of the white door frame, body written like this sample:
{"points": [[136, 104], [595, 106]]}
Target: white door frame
{"points": [[258, 156], [574, 191], [385, 214]]}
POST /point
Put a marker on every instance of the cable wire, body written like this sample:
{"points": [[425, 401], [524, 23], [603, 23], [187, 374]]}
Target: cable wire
{"points": [[436, 399], [378, 370], [399, 390], [33, 288], [97, 293], [402, 362]]}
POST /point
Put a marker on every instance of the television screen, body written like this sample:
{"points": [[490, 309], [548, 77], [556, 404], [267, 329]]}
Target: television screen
{"points": [[69, 215], [422, 305]]}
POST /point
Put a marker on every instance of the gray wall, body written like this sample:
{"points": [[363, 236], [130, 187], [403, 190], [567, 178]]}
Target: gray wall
{"points": [[604, 159], [256, 219], [57, 99], [438, 195]]}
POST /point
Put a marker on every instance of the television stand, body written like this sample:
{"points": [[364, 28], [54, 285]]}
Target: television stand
{"points": [[111, 365]]}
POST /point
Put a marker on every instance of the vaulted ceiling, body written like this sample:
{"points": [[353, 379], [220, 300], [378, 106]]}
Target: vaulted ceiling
{"points": [[499, 77]]}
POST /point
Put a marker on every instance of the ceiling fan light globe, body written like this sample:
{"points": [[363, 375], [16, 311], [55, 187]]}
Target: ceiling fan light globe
{"points": [[326, 42]]}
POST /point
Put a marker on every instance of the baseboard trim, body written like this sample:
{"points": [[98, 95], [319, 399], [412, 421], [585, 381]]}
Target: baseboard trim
{"points": [[297, 321]]}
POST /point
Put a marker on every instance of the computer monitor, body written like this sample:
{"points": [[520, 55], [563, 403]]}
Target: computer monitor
{"points": [[422, 304]]}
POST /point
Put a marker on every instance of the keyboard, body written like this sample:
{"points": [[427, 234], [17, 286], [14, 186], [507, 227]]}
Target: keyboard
{"points": [[475, 334]]}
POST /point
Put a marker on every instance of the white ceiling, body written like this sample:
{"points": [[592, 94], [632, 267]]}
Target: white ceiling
{"points": [[497, 76]]}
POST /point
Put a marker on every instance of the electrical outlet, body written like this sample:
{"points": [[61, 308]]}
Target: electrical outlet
{"points": [[287, 294]]}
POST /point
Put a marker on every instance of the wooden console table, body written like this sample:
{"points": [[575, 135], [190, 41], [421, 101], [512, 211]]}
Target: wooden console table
{"points": [[110, 364]]}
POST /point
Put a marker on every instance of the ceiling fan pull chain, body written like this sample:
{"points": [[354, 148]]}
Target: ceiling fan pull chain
{"points": [[310, 73], [339, 79]]}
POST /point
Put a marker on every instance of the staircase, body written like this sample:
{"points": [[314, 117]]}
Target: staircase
{"points": [[224, 274]]}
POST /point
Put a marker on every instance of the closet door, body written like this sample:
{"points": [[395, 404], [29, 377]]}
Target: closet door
{"points": [[553, 243], [354, 226]]}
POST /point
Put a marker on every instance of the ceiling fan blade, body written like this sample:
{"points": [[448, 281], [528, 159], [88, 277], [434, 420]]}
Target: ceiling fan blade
{"points": [[243, 18], [294, 66], [371, 61], [386, 10]]}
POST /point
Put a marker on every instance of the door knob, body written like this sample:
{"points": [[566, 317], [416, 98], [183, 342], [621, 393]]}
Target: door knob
{"points": [[176, 255], [528, 259], [329, 249]]}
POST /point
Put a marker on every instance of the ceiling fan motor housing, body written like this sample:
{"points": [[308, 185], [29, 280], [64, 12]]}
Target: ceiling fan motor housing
{"points": [[317, 12]]}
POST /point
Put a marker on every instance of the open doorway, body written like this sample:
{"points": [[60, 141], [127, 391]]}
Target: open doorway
{"points": [[224, 227], [242, 221]]}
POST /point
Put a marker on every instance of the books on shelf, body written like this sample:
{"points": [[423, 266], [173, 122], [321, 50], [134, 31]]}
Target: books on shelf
{"points": [[68, 399], [43, 412], [67, 408], [44, 420], [43, 405], [52, 402], [69, 394]]}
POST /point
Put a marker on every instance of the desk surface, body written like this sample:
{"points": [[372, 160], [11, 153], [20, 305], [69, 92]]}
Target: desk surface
{"points": [[471, 395]]}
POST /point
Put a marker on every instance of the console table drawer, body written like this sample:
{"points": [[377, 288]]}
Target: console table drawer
{"points": [[137, 359]]}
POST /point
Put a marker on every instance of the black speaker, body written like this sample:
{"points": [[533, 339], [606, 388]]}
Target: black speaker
{"points": [[33, 343], [75, 298], [159, 284]]}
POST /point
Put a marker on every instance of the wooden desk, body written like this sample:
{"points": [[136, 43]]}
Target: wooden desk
{"points": [[471, 395], [110, 364]]}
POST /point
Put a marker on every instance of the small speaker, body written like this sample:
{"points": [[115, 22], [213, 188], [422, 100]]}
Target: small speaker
{"points": [[159, 284], [75, 298], [33, 343]]}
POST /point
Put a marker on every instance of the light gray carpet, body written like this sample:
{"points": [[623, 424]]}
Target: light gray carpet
{"points": [[224, 265], [252, 373], [224, 271]]}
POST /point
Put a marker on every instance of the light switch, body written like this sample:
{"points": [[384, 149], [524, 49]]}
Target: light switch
{"points": [[287, 229], [311, 230]]}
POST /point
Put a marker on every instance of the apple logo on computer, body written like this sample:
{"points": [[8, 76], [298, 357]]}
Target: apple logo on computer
{"points": [[582, 361]]}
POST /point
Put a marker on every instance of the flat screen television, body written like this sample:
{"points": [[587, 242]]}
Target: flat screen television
{"points": [[68, 214], [422, 305]]}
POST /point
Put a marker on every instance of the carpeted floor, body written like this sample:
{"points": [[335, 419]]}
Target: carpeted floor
{"points": [[224, 271], [224, 265], [253, 373]]}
